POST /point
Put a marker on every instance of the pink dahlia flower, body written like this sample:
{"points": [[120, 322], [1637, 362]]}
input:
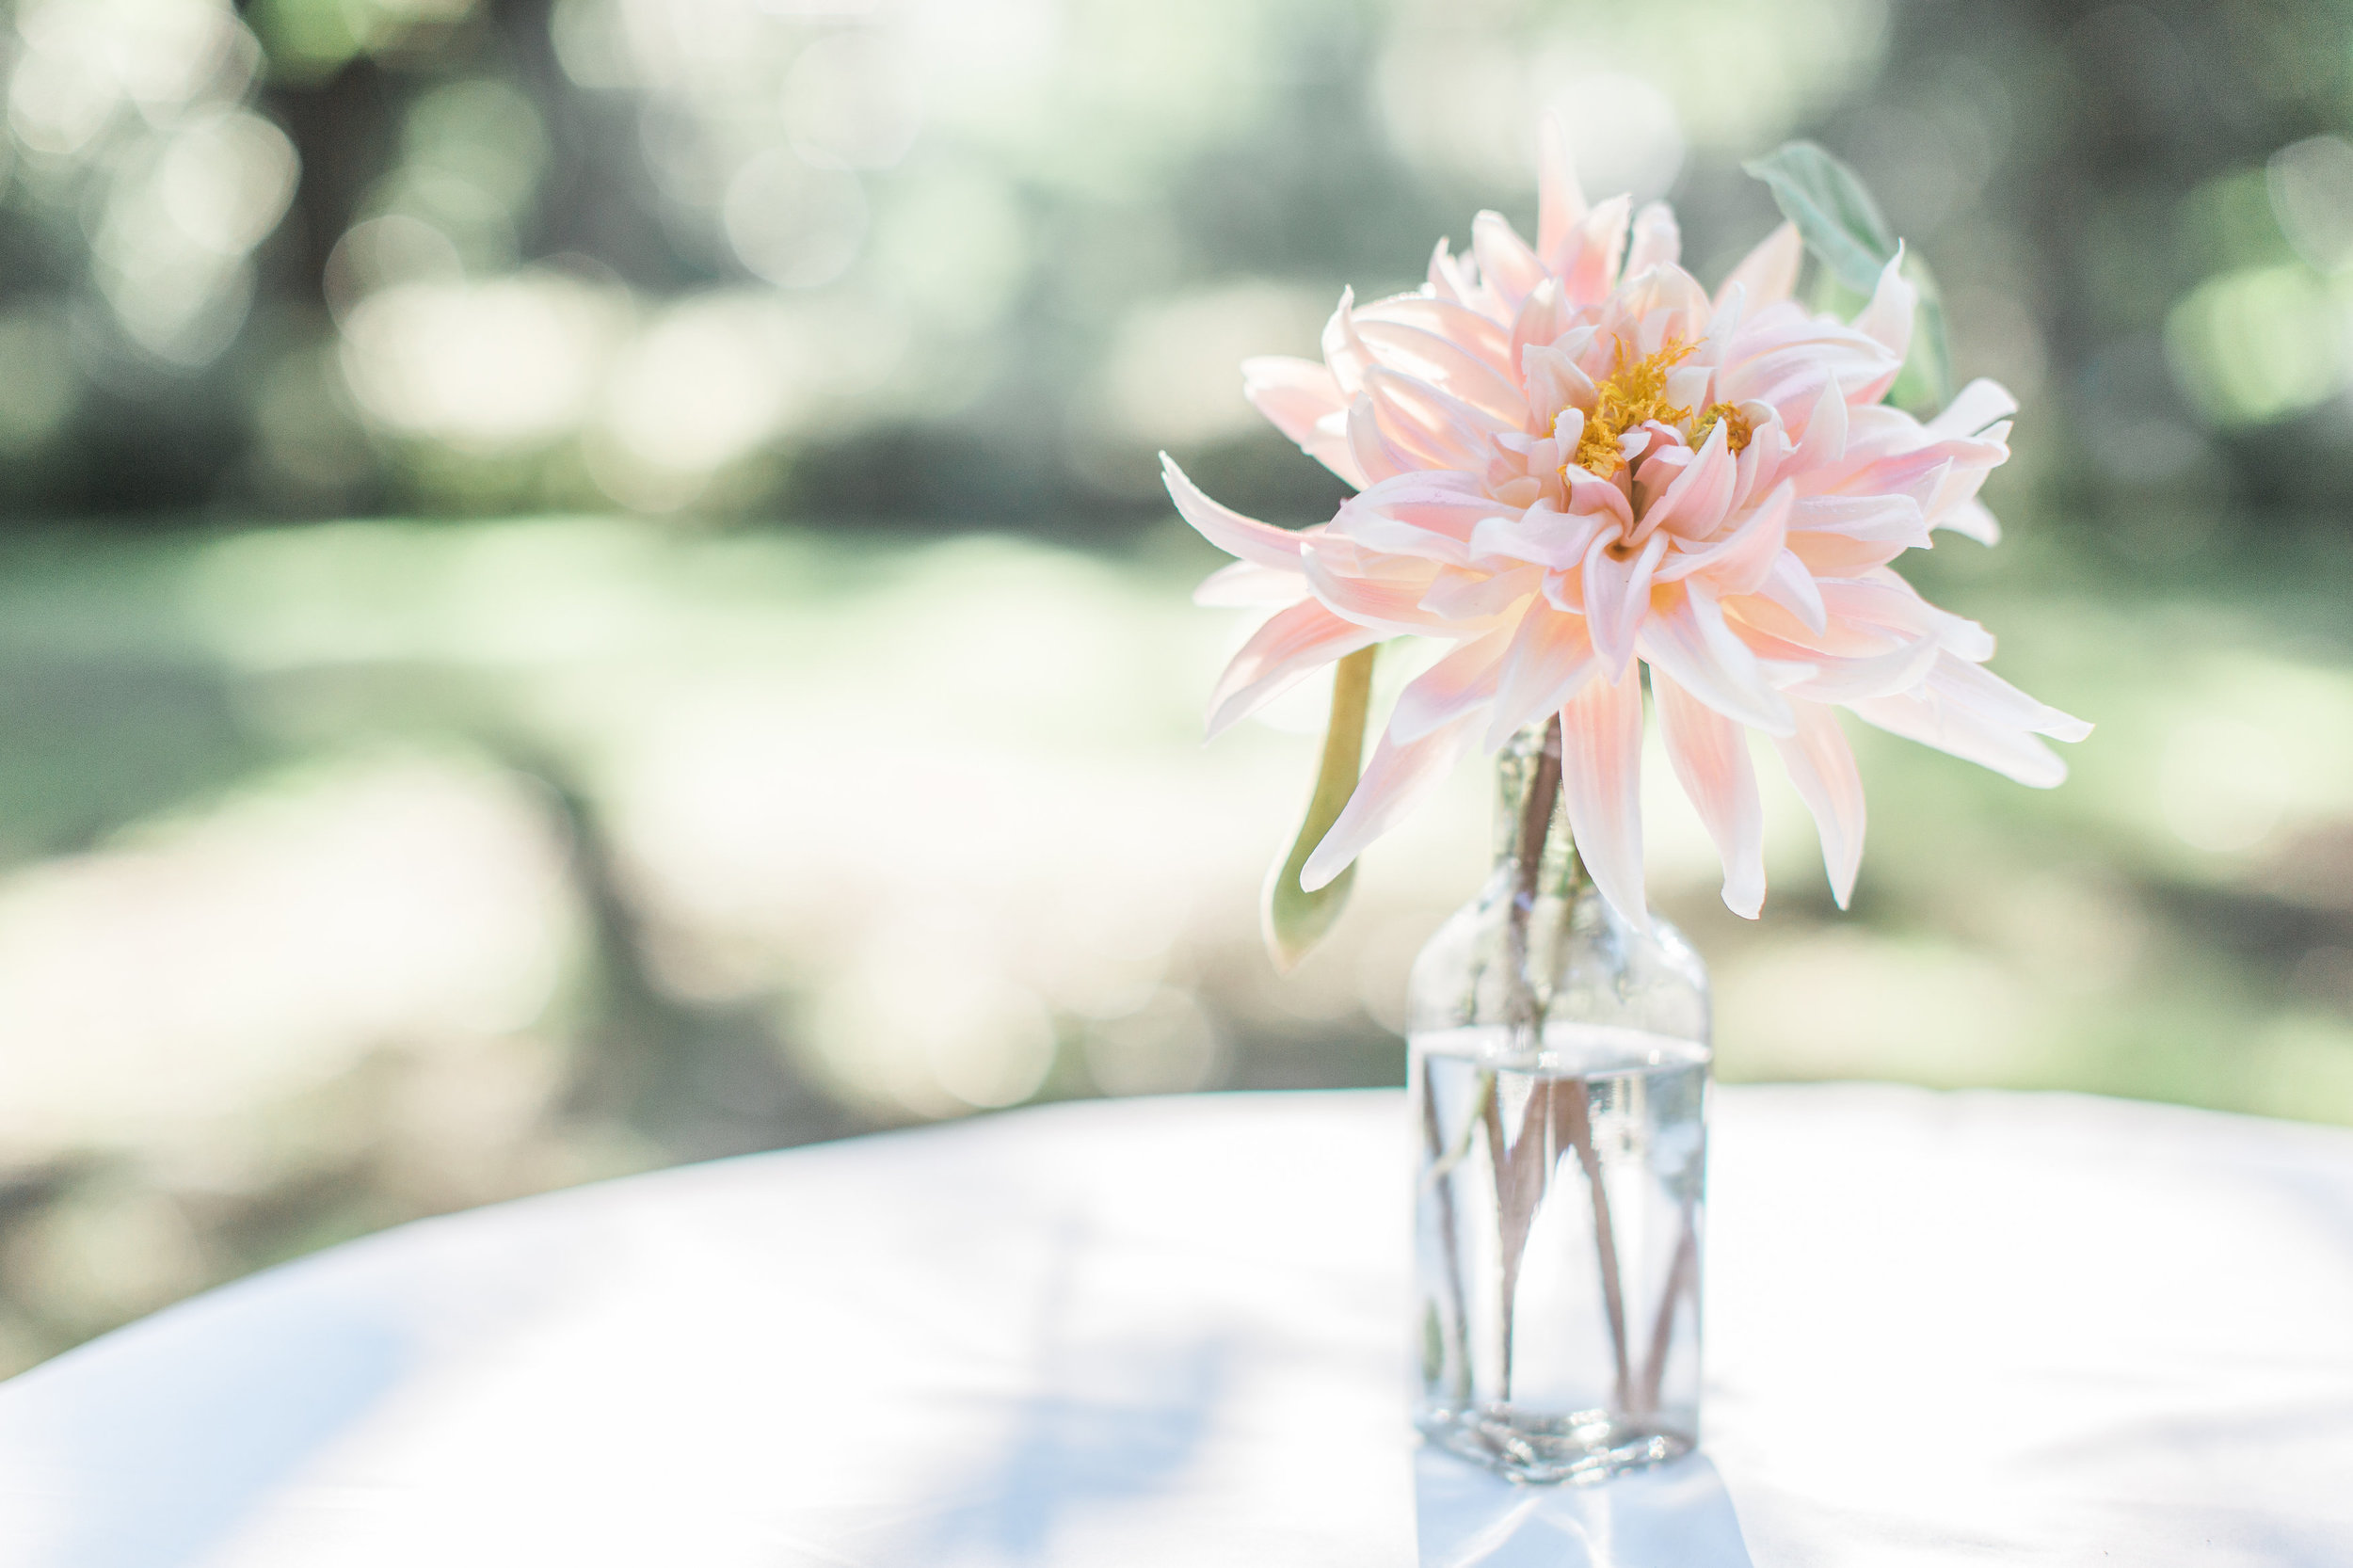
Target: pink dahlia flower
{"points": [[1571, 459]]}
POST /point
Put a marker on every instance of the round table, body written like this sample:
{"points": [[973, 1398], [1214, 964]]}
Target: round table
{"points": [[1942, 1329]]}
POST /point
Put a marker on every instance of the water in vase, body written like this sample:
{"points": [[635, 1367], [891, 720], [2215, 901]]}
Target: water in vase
{"points": [[1557, 1255]]}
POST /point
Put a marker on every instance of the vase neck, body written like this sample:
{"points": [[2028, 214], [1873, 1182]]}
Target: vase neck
{"points": [[1527, 775]]}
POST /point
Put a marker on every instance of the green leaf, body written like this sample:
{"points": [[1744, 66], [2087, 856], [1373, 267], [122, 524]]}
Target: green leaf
{"points": [[1295, 920], [1842, 225], [1834, 214]]}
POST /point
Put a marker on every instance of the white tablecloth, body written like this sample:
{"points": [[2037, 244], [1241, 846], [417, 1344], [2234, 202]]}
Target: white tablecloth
{"points": [[1942, 1330]]}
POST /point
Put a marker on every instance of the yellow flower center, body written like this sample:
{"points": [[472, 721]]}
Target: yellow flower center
{"points": [[1633, 394], [1737, 428], [1637, 393]]}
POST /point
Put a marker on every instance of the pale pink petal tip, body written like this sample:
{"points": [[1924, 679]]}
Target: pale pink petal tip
{"points": [[1887, 319], [1822, 766], [2063, 726], [1397, 779], [1292, 645], [1976, 406], [1709, 754], [1601, 788], [1559, 200], [1226, 528], [1656, 241], [1768, 274]]}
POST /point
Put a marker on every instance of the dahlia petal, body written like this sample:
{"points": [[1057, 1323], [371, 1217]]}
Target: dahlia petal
{"points": [[1666, 465], [1517, 493], [1591, 268], [1396, 779], [1344, 355], [1768, 274], [1333, 448], [1554, 380], [1293, 393], [1443, 362], [1590, 495], [1971, 519], [1509, 267], [1693, 505], [1740, 560], [1433, 514], [1953, 485], [1768, 445], [1877, 429], [1975, 407], [1601, 787], [1887, 319], [1823, 441], [1962, 637], [1300, 398], [1656, 241], [1783, 357], [1710, 756], [1788, 584], [1292, 645], [1568, 428], [1686, 385], [1443, 500], [1922, 715], [1538, 535], [1965, 684], [1384, 532], [1617, 596], [1449, 319], [1841, 678], [1448, 690], [1821, 766], [1228, 529], [1551, 657], [1895, 519], [1446, 281], [1863, 515], [1921, 471], [1390, 606], [1667, 300], [1242, 583], [1589, 346], [1425, 421], [1836, 554], [1689, 640], [1476, 595], [1542, 317], [1560, 199], [1884, 599], [1377, 458], [1775, 632]]}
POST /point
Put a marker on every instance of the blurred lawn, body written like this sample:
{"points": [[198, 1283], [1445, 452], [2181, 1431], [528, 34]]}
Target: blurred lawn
{"points": [[363, 870]]}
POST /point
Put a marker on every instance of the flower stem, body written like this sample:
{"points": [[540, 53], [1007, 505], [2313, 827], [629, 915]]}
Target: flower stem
{"points": [[1581, 1131], [1449, 1226], [1544, 797], [1679, 1272], [1557, 1112]]}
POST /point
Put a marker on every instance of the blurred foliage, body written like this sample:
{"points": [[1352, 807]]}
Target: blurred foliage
{"points": [[970, 262], [355, 871]]}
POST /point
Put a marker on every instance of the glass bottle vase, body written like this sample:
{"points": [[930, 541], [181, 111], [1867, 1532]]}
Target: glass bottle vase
{"points": [[1558, 1076]]}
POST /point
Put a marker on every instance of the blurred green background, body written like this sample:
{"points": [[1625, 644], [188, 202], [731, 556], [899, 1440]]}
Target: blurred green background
{"points": [[585, 585]]}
